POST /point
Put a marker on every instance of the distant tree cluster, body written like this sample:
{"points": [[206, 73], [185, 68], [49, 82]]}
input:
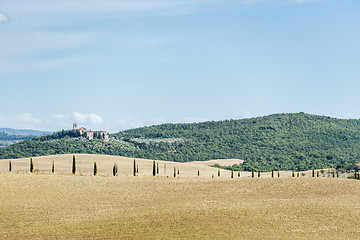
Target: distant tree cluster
{"points": [[279, 142]]}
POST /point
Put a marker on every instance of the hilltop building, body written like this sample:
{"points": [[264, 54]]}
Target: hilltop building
{"points": [[91, 134]]}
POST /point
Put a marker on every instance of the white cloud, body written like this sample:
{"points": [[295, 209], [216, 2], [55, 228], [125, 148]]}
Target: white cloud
{"points": [[3, 18], [87, 118], [28, 118]]}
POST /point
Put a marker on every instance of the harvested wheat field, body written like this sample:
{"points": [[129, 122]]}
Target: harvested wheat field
{"points": [[56, 206]]}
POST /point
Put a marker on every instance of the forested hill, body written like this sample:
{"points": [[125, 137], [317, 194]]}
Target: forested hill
{"points": [[280, 141]]}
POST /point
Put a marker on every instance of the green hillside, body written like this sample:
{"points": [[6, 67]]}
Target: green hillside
{"points": [[280, 141]]}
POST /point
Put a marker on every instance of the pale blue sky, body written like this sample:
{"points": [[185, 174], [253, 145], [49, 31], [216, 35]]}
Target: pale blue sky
{"points": [[116, 65]]}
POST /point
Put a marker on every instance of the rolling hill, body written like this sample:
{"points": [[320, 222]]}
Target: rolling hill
{"points": [[281, 141]]}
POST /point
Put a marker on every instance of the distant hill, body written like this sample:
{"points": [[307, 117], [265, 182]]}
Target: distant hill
{"points": [[9, 136], [280, 141], [24, 131]]}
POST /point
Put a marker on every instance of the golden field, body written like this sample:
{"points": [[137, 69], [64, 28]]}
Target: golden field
{"points": [[64, 206]]}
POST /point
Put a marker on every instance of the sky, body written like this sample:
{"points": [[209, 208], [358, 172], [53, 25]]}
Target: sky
{"points": [[115, 65]]}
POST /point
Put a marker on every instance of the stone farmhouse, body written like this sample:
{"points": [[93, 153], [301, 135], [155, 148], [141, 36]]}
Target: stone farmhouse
{"points": [[91, 134]]}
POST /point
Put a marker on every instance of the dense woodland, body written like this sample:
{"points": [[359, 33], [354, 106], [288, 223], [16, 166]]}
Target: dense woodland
{"points": [[281, 141]]}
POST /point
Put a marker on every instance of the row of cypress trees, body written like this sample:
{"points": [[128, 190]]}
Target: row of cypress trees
{"points": [[155, 170]]}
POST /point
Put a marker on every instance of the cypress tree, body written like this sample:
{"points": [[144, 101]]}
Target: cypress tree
{"points": [[293, 173], [174, 172], [154, 169], [53, 167], [259, 172], [238, 173], [334, 173], [198, 172], [212, 175], [178, 172], [298, 173], [134, 168], [219, 172], [10, 168], [232, 173], [31, 165], [272, 172], [355, 177], [317, 174], [337, 174], [313, 172], [115, 169], [137, 169], [278, 173], [95, 169], [252, 172], [74, 165]]}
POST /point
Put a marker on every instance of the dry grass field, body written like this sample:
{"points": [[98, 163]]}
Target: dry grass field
{"points": [[64, 206]]}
